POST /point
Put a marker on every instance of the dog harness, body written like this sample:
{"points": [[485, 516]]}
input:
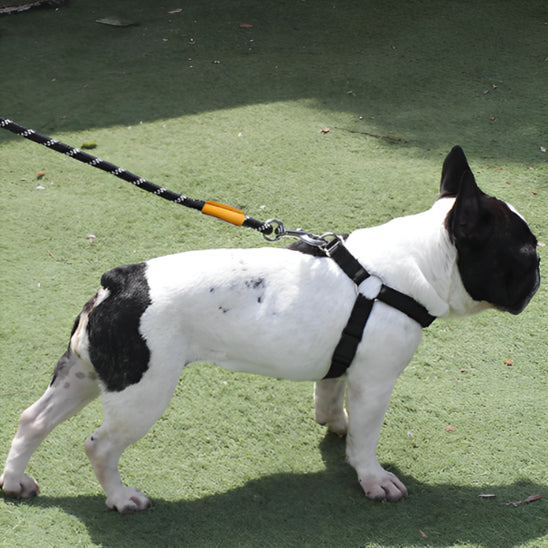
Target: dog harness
{"points": [[353, 332]]}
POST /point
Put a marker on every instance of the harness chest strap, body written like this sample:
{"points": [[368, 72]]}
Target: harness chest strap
{"points": [[353, 332]]}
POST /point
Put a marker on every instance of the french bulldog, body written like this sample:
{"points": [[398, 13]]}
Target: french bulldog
{"points": [[280, 312]]}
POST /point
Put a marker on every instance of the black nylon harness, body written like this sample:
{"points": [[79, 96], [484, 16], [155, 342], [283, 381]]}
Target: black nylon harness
{"points": [[352, 334]]}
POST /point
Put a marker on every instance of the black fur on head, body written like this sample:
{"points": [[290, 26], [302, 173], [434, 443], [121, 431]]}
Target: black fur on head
{"points": [[497, 256]]}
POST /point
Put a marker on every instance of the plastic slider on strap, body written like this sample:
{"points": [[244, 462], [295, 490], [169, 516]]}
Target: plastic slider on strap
{"points": [[225, 213]]}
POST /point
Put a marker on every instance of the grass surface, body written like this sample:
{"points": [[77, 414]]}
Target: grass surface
{"points": [[237, 460]]}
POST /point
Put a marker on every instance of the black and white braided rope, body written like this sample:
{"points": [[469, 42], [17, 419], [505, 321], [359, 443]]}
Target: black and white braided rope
{"points": [[140, 182]]}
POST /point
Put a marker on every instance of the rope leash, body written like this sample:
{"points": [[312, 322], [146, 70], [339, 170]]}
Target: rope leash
{"points": [[272, 229], [330, 244]]}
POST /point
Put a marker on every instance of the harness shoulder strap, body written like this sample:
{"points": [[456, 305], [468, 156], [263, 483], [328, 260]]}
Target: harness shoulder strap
{"points": [[350, 338], [352, 334]]}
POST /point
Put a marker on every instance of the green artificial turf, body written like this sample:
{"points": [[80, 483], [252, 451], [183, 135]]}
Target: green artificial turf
{"points": [[203, 106]]}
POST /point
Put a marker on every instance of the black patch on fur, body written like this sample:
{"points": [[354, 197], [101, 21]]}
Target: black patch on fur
{"points": [[117, 349], [497, 256], [497, 260], [255, 283]]}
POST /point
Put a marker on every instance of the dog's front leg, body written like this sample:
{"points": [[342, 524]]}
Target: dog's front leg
{"points": [[367, 404], [371, 379]]}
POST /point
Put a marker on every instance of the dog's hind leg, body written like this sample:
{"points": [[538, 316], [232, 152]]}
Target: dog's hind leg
{"points": [[74, 385], [128, 415], [329, 402]]}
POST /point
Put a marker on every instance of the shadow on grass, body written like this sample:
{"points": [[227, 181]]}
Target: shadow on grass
{"points": [[429, 73], [318, 509]]}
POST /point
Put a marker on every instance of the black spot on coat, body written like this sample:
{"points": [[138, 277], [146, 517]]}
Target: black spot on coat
{"points": [[117, 349], [255, 283]]}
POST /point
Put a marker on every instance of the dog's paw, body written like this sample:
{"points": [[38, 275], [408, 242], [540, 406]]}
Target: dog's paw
{"points": [[383, 487], [23, 487], [337, 425], [128, 500]]}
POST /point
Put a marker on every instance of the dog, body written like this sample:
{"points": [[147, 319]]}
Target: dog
{"points": [[280, 312]]}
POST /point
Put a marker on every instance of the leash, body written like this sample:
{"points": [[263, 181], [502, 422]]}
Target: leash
{"points": [[272, 229], [328, 244]]}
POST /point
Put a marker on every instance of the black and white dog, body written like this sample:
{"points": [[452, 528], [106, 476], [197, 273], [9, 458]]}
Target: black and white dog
{"points": [[279, 312]]}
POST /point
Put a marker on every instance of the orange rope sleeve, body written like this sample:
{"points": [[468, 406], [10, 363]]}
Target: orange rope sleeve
{"points": [[224, 212]]}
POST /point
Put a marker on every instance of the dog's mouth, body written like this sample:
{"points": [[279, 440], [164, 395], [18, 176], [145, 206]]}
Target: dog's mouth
{"points": [[520, 305]]}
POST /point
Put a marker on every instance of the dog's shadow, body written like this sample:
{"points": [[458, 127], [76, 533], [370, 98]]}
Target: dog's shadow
{"points": [[323, 508]]}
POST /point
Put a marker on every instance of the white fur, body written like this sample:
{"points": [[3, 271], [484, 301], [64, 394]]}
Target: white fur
{"points": [[269, 311]]}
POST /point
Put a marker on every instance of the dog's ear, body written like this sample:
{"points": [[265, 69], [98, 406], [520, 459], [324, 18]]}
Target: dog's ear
{"points": [[468, 220], [454, 167]]}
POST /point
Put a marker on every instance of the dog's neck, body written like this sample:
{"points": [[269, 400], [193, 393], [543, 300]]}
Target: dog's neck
{"points": [[421, 262]]}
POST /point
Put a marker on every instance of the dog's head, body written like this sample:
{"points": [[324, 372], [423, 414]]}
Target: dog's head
{"points": [[496, 250]]}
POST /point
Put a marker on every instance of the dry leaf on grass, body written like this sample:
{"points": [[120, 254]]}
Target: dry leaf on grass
{"points": [[527, 500]]}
